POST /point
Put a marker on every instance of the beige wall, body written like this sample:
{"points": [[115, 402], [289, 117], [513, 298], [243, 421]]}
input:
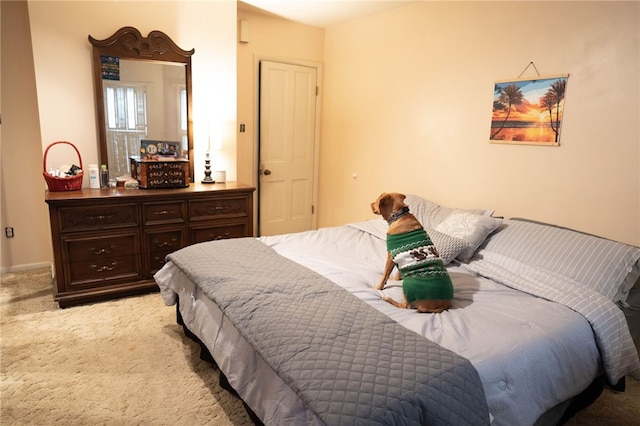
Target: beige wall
{"points": [[407, 106], [22, 185], [270, 38], [63, 102]]}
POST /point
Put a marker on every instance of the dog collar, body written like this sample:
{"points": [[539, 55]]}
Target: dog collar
{"points": [[397, 215]]}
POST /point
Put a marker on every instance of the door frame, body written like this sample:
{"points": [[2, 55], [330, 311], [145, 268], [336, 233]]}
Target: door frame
{"points": [[256, 138]]}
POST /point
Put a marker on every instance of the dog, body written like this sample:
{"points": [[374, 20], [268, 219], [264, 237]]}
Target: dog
{"points": [[426, 283]]}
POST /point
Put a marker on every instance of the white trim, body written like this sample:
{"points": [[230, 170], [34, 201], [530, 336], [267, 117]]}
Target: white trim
{"points": [[26, 267]]}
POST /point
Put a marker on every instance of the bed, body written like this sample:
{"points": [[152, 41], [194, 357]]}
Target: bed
{"points": [[536, 328]]}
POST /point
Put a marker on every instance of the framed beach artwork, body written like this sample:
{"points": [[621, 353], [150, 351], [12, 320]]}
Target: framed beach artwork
{"points": [[528, 111]]}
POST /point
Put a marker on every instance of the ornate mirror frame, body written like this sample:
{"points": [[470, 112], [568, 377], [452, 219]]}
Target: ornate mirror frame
{"points": [[128, 43]]}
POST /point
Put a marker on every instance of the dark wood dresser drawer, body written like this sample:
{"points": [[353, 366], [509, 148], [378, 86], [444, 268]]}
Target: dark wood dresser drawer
{"points": [[159, 241], [159, 245], [164, 213], [100, 247], [220, 208], [157, 260], [163, 240], [94, 273], [100, 259], [106, 216], [210, 233]]}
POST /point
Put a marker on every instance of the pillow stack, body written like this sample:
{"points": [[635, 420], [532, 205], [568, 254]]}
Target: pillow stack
{"points": [[456, 233], [608, 267]]}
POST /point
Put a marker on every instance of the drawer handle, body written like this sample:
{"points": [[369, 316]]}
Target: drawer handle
{"points": [[219, 237], [104, 250], [165, 243], [163, 212], [102, 217], [217, 208], [104, 268]]}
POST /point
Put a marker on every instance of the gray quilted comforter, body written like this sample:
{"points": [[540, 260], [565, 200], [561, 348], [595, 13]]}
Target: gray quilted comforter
{"points": [[348, 362]]}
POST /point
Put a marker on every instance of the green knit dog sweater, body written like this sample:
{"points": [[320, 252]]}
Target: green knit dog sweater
{"points": [[423, 273]]}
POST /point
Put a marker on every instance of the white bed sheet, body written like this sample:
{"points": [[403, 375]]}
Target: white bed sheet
{"points": [[531, 354]]}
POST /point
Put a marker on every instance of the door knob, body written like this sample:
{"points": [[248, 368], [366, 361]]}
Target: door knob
{"points": [[267, 172]]}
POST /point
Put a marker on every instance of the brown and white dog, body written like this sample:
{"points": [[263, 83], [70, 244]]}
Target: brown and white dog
{"points": [[426, 283]]}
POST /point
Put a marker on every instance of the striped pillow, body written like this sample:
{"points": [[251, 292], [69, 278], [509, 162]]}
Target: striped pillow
{"points": [[608, 267]]}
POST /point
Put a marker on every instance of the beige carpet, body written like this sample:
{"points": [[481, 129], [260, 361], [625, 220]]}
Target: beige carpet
{"points": [[126, 362]]}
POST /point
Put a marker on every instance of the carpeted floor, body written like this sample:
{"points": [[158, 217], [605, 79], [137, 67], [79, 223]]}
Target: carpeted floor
{"points": [[123, 362], [126, 362]]}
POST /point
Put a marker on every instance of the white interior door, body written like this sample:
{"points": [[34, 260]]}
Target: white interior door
{"points": [[287, 147]]}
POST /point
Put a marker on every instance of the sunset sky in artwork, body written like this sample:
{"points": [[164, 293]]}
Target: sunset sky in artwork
{"points": [[529, 109]]}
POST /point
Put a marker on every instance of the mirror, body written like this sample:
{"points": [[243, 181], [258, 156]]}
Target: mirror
{"points": [[143, 97]]}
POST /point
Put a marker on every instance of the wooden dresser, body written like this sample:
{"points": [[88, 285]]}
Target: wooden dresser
{"points": [[108, 243]]}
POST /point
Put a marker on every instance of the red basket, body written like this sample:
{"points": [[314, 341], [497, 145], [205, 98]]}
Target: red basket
{"points": [[55, 183]]}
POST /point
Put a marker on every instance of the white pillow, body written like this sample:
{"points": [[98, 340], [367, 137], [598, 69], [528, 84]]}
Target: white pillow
{"points": [[424, 210], [448, 247], [429, 214], [472, 228]]}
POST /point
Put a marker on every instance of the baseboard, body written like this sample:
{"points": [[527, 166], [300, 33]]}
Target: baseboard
{"points": [[26, 267]]}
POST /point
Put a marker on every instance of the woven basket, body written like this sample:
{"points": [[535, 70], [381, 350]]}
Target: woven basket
{"points": [[55, 183]]}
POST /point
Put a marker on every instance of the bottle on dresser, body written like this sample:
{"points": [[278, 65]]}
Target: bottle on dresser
{"points": [[104, 176], [94, 176]]}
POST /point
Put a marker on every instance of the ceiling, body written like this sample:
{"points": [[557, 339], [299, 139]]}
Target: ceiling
{"points": [[323, 13]]}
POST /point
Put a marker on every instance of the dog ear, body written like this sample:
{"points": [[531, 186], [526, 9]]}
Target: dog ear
{"points": [[385, 204], [377, 205]]}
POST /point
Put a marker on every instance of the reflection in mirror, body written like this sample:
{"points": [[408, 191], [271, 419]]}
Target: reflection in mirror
{"points": [[143, 92], [148, 102]]}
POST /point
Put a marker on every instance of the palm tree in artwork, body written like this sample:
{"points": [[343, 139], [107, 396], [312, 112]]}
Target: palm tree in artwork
{"points": [[509, 95], [558, 88], [551, 100], [547, 103]]}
